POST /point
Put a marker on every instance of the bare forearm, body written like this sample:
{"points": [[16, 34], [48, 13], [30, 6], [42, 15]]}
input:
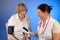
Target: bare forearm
{"points": [[56, 36], [34, 34], [27, 38], [12, 37]]}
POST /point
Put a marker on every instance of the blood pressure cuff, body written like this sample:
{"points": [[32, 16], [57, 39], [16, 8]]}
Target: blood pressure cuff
{"points": [[10, 29]]}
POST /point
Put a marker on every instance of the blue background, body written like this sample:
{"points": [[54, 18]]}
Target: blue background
{"points": [[8, 8]]}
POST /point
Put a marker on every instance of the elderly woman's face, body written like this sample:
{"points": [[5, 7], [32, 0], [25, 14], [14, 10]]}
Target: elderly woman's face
{"points": [[22, 13], [41, 14]]}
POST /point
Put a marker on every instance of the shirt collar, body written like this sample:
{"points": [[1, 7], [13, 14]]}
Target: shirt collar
{"points": [[18, 17], [46, 20]]}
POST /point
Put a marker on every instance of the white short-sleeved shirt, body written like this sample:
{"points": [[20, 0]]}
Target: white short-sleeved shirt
{"points": [[52, 27], [18, 26]]}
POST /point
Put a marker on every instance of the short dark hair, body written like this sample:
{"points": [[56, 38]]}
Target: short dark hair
{"points": [[45, 7]]}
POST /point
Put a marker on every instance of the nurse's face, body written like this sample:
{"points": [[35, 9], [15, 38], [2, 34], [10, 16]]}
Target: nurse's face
{"points": [[41, 14]]}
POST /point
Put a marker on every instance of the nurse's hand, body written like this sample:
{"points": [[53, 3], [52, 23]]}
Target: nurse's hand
{"points": [[33, 34], [29, 32]]}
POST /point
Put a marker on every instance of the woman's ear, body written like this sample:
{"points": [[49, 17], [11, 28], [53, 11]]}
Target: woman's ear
{"points": [[46, 12]]}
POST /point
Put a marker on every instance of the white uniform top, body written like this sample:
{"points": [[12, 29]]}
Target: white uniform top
{"points": [[18, 26], [51, 27]]}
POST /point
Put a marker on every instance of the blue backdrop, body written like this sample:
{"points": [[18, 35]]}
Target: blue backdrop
{"points": [[8, 8]]}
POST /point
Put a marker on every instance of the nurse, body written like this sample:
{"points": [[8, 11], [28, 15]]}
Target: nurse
{"points": [[17, 22], [48, 28]]}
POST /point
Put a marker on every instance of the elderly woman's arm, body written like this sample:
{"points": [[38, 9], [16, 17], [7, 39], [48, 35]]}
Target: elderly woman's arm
{"points": [[11, 37]]}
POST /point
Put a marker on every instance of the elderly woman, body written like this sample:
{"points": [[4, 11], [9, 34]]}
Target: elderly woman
{"points": [[17, 22]]}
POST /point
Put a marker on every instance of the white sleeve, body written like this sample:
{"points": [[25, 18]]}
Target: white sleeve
{"points": [[28, 26], [11, 21], [56, 28]]}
